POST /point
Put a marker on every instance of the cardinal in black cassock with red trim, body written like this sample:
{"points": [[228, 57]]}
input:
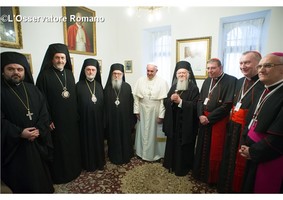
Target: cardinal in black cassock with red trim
{"points": [[213, 109]]}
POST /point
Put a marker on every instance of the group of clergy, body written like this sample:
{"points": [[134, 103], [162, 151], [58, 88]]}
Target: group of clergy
{"points": [[52, 130]]}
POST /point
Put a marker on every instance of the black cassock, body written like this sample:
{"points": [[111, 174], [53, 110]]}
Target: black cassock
{"points": [[218, 107], [91, 125], [119, 123], [232, 164], [269, 123], [66, 164], [23, 163], [180, 126]]}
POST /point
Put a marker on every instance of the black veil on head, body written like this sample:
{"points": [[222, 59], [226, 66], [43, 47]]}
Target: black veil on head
{"points": [[11, 57], [185, 65], [91, 62], [51, 51], [116, 66]]}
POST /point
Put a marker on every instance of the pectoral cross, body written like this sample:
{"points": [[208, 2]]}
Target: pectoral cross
{"points": [[29, 114]]}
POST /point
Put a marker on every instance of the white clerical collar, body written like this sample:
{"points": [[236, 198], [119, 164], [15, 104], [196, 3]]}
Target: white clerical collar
{"points": [[80, 26], [267, 86]]}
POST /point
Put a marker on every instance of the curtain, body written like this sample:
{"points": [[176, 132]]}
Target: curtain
{"points": [[161, 52], [240, 37]]}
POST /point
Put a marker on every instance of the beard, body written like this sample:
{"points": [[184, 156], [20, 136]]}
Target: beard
{"points": [[90, 77], [182, 84], [14, 80], [116, 84]]}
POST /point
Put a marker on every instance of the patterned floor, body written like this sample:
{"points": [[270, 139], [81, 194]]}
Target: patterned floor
{"points": [[135, 177]]}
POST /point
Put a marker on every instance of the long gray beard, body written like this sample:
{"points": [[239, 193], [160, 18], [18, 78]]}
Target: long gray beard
{"points": [[116, 84], [182, 85]]}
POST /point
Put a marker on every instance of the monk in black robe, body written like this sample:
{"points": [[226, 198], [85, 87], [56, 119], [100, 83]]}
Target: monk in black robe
{"points": [[246, 92], [57, 83], [25, 136], [90, 108], [180, 123], [119, 101], [214, 106], [262, 143]]}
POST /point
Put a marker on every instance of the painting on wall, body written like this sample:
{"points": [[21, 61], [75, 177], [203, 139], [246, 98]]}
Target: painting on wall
{"points": [[197, 52], [128, 66], [10, 28], [80, 30]]}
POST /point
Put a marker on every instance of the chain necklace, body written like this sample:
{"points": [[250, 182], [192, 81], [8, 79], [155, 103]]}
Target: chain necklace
{"points": [[117, 102], [29, 114], [65, 94], [93, 97]]}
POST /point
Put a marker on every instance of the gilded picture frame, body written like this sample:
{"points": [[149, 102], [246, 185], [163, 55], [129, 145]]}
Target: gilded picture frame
{"points": [[28, 57], [197, 52], [80, 30], [10, 28]]}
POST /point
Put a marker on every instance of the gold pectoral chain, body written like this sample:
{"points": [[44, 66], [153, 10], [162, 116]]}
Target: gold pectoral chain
{"points": [[117, 102], [93, 97], [65, 94], [29, 114]]}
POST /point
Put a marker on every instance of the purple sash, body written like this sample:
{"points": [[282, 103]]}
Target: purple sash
{"points": [[269, 175]]}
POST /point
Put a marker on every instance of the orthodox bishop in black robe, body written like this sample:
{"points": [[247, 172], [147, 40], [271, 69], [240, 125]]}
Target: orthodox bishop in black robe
{"points": [[90, 109], [23, 159], [215, 103], [119, 101], [58, 86], [180, 123]]}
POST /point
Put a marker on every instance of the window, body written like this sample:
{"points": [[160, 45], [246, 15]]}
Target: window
{"points": [[157, 49], [239, 34]]}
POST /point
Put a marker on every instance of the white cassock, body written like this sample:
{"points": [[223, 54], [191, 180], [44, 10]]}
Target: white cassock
{"points": [[148, 94], [80, 39]]}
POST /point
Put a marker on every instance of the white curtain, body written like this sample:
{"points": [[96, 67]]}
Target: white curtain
{"points": [[161, 52], [240, 37]]}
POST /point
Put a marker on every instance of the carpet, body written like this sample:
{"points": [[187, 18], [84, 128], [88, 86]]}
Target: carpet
{"points": [[135, 177]]}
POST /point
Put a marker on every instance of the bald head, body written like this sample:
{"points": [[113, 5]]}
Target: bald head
{"points": [[270, 69]]}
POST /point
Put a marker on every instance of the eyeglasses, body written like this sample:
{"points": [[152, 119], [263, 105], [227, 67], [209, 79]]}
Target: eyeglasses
{"points": [[268, 65], [118, 74]]}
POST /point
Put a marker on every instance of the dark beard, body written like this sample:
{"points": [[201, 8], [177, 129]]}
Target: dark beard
{"points": [[12, 81]]}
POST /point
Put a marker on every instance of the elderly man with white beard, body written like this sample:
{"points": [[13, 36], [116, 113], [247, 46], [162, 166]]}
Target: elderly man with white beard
{"points": [[180, 122], [119, 118]]}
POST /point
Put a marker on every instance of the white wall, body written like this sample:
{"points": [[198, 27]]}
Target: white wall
{"points": [[119, 38]]}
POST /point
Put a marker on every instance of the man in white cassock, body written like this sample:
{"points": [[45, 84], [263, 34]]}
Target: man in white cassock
{"points": [[149, 93]]}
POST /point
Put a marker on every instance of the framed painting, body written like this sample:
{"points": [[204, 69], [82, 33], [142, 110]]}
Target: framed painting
{"points": [[28, 57], [197, 52], [10, 28], [128, 66], [100, 65], [73, 63], [80, 30]]}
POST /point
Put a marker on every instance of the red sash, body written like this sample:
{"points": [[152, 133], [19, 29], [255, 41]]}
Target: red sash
{"points": [[240, 162], [216, 148]]}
